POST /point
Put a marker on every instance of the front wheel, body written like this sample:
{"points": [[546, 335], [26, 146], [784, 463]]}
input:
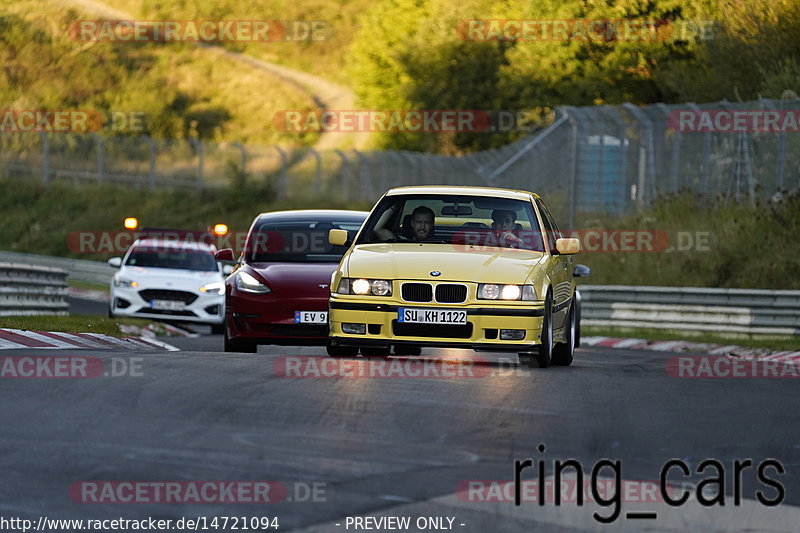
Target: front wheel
{"points": [[563, 353], [238, 345], [545, 354]]}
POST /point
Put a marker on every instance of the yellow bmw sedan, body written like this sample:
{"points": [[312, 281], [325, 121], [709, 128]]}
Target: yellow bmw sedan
{"points": [[465, 267]]}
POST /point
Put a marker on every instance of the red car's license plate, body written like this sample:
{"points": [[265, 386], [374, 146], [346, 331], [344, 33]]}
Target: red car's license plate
{"points": [[311, 317]]}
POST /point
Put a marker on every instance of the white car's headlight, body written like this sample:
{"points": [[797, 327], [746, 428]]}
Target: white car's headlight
{"points": [[494, 291], [247, 283], [217, 286], [374, 287], [125, 283]]}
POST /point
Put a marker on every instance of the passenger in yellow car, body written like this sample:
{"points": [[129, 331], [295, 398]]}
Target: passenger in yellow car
{"points": [[503, 224]]}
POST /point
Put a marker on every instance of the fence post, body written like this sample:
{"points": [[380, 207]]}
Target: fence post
{"points": [[363, 173], [565, 111], [317, 171], [100, 156], [398, 170], [282, 176], [45, 154], [647, 172], [198, 145], [623, 157], [343, 171], [241, 148], [412, 163], [151, 173], [706, 152], [676, 150], [780, 160]]}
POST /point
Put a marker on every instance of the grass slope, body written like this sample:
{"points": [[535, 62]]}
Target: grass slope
{"points": [[182, 90]]}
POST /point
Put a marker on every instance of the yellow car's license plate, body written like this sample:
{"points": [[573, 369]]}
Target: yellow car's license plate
{"points": [[431, 316]]}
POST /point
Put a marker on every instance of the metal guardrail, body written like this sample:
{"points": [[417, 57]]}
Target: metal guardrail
{"points": [[32, 290], [742, 311], [79, 269]]}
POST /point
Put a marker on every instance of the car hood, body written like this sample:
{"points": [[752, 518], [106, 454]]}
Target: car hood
{"points": [[456, 263], [169, 277], [297, 278]]}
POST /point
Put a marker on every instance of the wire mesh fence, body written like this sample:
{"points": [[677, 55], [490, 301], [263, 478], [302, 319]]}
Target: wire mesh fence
{"points": [[609, 159]]}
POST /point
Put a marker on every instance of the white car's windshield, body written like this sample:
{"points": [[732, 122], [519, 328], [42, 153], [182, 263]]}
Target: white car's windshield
{"points": [[458, 220], [181, 259]]}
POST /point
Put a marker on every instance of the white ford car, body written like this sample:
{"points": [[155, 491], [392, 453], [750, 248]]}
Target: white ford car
{"points": [[169, 280]]}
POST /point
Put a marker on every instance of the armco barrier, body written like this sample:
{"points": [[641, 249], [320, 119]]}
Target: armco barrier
{"points": [[742, 311], [32, 290], [79, 269]]}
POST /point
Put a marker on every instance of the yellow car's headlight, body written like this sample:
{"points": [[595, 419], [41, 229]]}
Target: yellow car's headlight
{"points": [[365, 287], [495, 291]]}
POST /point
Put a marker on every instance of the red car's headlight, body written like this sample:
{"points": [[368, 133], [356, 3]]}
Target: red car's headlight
{"points": [[247, 283]]}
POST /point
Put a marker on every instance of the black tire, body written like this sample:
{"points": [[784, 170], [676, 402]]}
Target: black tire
{"points": [[411, 351], [340, 351], [217, 329], [544, 355], [110, 313], [563, 353], [577, 321], [238, 345], [372, 351]]}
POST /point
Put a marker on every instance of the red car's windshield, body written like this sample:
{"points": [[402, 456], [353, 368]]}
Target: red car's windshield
{"points": [[298, 241]]}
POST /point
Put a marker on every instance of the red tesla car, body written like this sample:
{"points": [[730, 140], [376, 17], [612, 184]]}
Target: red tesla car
{"points": [[278, 293]]}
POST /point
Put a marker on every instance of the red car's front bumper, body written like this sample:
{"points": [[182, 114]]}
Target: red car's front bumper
{"points": [[270, 318]]}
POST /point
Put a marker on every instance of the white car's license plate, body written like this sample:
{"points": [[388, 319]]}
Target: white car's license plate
{"points": [[310, 317], [431, 316], [168, 305]]}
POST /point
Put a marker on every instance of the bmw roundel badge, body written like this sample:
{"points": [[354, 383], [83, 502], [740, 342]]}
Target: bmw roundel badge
{"points": [[435, 273]]}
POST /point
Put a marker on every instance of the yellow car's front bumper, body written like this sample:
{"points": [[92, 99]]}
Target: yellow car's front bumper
{"points": [[485, 320]]}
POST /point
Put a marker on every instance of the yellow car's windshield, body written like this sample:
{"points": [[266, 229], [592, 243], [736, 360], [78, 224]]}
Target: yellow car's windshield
{"points": [[451, 219]]}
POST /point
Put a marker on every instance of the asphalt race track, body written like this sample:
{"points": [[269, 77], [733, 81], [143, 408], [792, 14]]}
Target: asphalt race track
{"points": [[397, 446]]}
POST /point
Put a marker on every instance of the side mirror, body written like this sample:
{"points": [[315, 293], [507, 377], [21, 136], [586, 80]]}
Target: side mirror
{"points": [[225, 256], [568, 246], [581, 271], [337, 237], [115, 262]]}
